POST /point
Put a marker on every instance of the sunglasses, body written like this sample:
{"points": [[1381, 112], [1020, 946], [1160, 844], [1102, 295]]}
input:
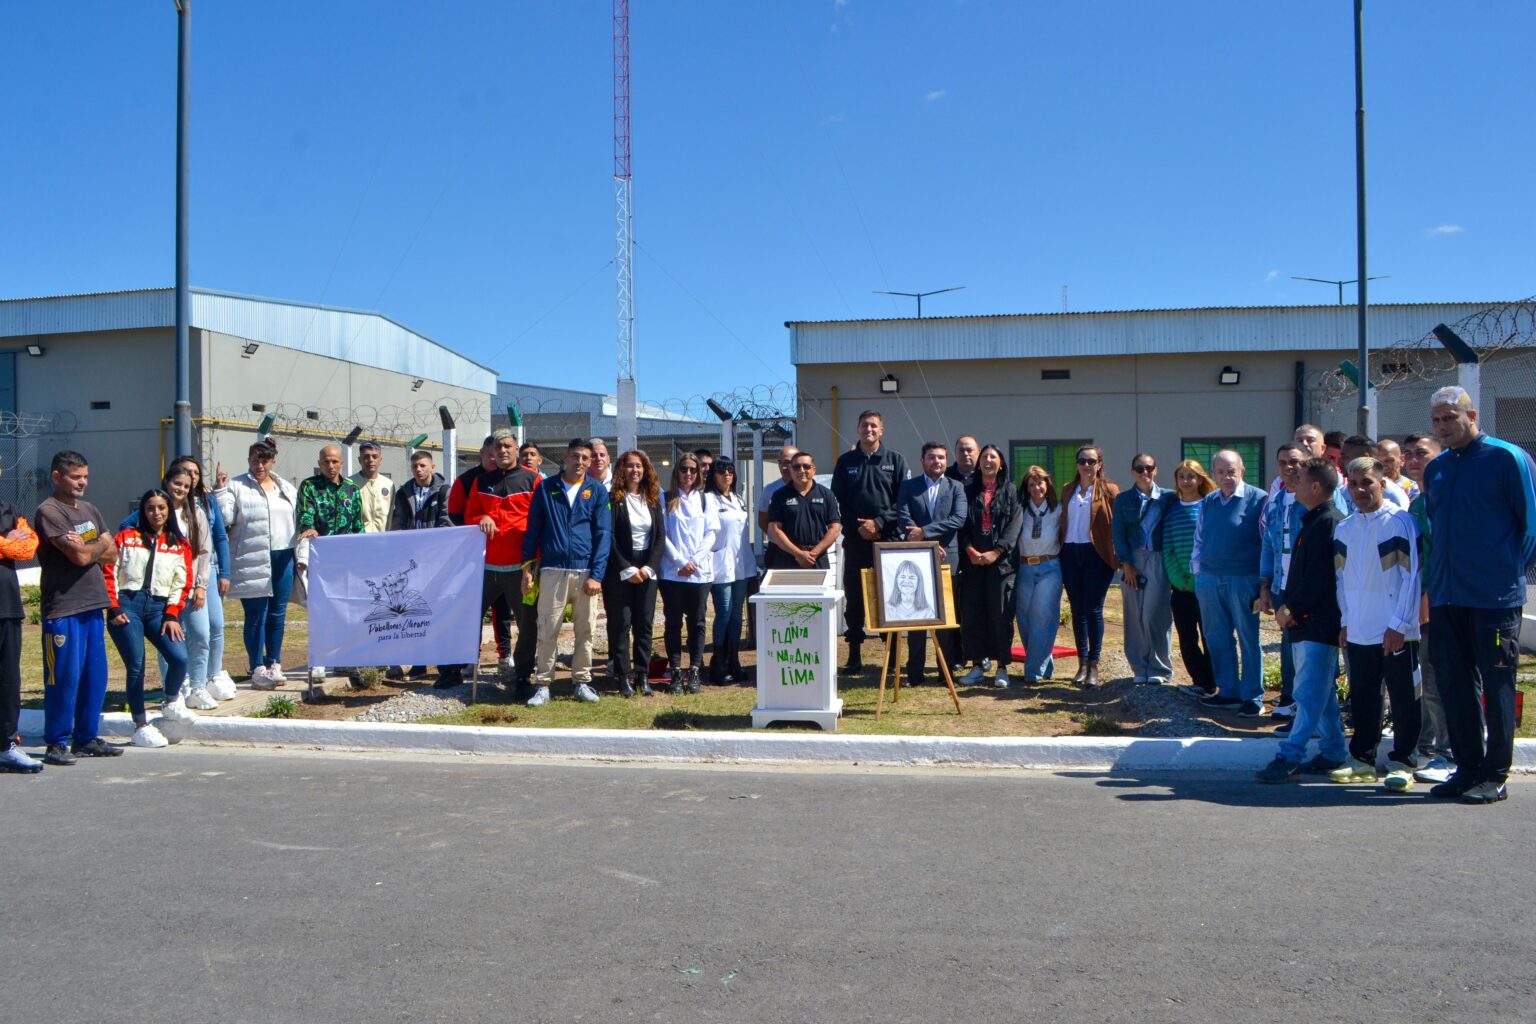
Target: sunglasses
{"points": [[687, 469], [1087, 462], [803, 468], [1144, 469]]}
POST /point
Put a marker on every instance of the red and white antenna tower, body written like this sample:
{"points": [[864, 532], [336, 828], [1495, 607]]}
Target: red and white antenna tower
{"points": [[625, 258]]}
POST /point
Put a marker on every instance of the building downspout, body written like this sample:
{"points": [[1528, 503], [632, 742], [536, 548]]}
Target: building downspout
{"points": [[1300, 411]]}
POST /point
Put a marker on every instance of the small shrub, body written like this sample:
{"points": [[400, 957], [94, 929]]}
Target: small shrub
{"points": [[1099, 725], [569, 615], [35, 616], [31, 595], [279, 705], [676, 719], [1064, 618], [1272, 674], [366, 678]]}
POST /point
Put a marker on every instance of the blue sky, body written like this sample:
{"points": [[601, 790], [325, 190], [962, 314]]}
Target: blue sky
{"points": [[450, 164]]}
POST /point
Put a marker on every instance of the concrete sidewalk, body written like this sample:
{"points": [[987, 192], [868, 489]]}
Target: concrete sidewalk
{"points": [[758, 746]]}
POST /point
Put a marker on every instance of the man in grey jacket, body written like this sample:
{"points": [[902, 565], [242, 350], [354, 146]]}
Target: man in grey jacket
{"points": [[932, 507]]}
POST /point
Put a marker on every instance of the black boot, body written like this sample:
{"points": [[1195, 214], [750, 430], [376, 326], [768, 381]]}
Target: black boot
{"points": [[1082, 671], [717, 669], [625, 689], [643, 683], [855, 659], [693, 679], [675, 679], [1092, 679]]}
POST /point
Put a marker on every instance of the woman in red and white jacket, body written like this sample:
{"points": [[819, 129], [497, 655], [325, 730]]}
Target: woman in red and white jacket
{"points": [[148, 586]]}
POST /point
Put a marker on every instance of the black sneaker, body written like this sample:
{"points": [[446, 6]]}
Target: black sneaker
{"points": [[58, 754], [1485, 792], [97, 747], [1455, 787], [1251, 709], [1216, 700], [1277, 771]]}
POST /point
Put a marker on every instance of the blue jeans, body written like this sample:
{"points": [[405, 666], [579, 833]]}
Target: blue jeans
{"points": [[265, 617], [195, 625], [146, 617], [1317, 703], [728, 598], [1037, 607], [1287, 662], [1226, 611]]}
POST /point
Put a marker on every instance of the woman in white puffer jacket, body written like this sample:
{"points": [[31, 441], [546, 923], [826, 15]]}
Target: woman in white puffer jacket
{"points": [[258, 509]]}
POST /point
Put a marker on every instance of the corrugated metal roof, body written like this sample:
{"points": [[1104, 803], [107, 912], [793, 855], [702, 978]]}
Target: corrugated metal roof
{"points": [[357, 336], [1114, 333]]}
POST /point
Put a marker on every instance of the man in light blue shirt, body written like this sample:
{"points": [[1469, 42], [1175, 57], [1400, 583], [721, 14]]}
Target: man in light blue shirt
{"points": [[1225, 563]]}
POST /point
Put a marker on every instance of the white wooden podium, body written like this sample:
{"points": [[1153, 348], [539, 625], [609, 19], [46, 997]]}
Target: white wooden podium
{"points": [[797, 613]]}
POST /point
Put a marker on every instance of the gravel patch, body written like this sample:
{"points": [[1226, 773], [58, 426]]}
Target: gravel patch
{"points": [[1164, 711], [424, 702]]}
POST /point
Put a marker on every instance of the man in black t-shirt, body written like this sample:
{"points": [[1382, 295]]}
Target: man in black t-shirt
{"points": [[803, 520], [865, 481]]}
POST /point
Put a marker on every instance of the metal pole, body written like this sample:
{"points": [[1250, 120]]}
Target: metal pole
{"points": [[183, 408], [1363, 412]]}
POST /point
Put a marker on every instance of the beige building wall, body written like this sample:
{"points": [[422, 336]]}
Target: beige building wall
{"points": [[1124, 404], [133, 370]]}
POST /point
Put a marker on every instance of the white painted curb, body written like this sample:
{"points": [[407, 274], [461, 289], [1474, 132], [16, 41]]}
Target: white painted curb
{"points": [[1063, 752]]}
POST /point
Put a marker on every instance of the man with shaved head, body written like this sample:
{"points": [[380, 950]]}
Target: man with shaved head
{"points": [[1225, 564], [328, 504]]}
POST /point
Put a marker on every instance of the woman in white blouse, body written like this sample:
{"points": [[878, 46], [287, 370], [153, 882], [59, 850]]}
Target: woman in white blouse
{"points": [[1088, 559], [1037, 585], [634, 564], [687, 569], [735, 565]]}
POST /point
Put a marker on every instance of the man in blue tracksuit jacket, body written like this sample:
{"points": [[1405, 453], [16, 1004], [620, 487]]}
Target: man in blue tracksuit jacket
{"points": [[1279, 527], [570, 528], [1481, 498]]}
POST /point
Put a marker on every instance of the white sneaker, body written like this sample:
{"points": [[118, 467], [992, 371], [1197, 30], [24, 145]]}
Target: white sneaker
{"points": [[147, 735], [974, 676], [540, 697], [585, 694], [275, 673], [201, 700], [1001, 682], [1284, 710], [1438, 770], [261, 678], [221, 687], [176, 710]]}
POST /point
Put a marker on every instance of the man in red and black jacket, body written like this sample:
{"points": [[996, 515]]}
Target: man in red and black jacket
{"points": [[458, 495], [498, 503]]}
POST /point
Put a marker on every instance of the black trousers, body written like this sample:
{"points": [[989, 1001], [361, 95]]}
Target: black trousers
{"points": [[1368, 669], [858, 554], [1186, 620], [1467, 643], [986, 593], [10, 680], [502, 594], [1086, 580], [683, 602], [631, 609]]}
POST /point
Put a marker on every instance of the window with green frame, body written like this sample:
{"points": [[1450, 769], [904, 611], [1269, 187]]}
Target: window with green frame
{"points": [[1250, 448], [1058, 457]]}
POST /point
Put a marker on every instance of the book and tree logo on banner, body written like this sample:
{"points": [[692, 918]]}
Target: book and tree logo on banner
{"points": [[401, 598]]}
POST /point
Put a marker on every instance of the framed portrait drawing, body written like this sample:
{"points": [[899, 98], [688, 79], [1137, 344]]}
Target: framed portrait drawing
{"points": [[907, 585]]}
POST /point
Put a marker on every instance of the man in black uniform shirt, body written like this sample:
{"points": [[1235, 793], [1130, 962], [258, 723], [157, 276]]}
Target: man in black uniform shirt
{"points": [[865, 481], [802, 520]]}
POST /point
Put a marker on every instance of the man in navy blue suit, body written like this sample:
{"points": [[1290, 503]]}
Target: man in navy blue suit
{"points": [[932, 507]]}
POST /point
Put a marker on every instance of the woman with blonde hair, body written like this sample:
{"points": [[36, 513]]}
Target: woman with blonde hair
{"points": [[687, 570], [1088, 556], [634, 565], [1037, 584], [1181, 512]]}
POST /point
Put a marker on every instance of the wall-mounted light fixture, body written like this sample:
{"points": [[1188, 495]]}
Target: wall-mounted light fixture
{"points": [[35, 349], [1229, 376], [248, 349], [416, 384], [889, 385]]}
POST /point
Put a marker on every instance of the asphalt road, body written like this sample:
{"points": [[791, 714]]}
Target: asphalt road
{"points": [[230, 886]]}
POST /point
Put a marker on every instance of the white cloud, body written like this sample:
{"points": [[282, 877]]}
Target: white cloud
{"points": [[936, 94], [1444, 229], [1273, 275]]}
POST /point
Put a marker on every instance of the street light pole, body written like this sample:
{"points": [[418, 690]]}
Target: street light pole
{"points": [[183, 409], [1363, 412]]}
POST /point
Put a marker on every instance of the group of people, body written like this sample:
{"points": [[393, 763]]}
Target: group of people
{"points": [[1337, 548]]}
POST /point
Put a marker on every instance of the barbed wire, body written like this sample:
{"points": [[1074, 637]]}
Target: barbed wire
{"points": [[756, 402], [1420, 360], [375, 420]]}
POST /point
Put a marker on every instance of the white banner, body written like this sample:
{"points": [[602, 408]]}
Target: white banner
{"points": [[410, 597]]}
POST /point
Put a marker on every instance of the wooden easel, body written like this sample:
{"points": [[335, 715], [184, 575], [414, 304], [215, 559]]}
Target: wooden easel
{"points": [[892, 636]]}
